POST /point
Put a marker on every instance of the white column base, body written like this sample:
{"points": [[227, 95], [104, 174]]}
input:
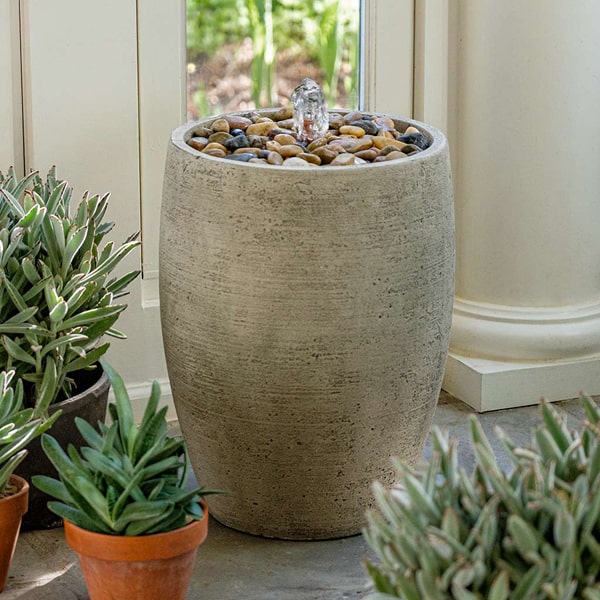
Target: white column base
{"points": [[493, 384]]}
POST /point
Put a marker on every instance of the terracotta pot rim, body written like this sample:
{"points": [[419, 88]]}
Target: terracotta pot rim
{"points": [[156, 546], [18, 500], [437, 144], [21, 482]]}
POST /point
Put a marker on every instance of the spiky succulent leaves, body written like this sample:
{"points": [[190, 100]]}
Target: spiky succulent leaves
{"points": [[57, 293], [130, 479], [530, 533], [17, 426]]}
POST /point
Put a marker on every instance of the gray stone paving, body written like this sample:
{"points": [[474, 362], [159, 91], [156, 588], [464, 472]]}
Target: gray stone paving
{"points": [[233, 565]]}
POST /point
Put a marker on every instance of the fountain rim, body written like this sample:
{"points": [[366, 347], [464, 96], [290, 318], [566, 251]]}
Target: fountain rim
{"points": [[437, 143]]}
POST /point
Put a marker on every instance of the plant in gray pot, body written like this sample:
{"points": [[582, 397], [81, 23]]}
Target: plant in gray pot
{"points": [[128, 514], [58, 301], [17, 428], [306, 290]]}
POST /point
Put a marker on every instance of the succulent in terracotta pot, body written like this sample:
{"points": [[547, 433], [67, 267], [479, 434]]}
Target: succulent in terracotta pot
{"points": [[125, 504], [57, 296], [17, 429]]}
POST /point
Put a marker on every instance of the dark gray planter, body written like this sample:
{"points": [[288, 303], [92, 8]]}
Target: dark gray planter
{"points": [[306, 317], [90, 404]]}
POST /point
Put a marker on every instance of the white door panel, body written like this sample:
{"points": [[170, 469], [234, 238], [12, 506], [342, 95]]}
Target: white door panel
{"points": [[11, 125]]}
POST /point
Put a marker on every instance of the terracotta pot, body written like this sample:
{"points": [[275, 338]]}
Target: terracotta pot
{"points": [[152, 567], [90, 405], [306, 317], [12, 509]]}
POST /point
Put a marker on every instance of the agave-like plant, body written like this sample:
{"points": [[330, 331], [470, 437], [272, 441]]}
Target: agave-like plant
{"points": [[57, 299], [131, 478], [17, 427], [532, 533]]}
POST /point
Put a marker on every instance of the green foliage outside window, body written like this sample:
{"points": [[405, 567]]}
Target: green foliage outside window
{"points": [[325, 31]]}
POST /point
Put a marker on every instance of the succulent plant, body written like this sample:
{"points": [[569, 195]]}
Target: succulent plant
{"points": [[17, 427], [57, 299], [131, 478], [530, 533]]}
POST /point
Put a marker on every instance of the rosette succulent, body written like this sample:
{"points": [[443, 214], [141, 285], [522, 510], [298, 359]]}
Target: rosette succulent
{"points": [[17, 427], [130, 479]]}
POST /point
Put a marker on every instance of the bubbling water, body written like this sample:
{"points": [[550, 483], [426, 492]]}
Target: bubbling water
{"points": [[310, 110]]}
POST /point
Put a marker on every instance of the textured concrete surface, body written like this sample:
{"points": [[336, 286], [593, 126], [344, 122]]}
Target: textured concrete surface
{"points": [[306, 317], [236, 566]]}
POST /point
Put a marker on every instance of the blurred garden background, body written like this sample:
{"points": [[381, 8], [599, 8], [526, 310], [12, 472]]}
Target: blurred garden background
{"points": [[245, 54]]}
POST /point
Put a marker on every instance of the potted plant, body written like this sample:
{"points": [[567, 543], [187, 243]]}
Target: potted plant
{"points": [[127, 513], [530, 533], [17, 429], [58, 301]]}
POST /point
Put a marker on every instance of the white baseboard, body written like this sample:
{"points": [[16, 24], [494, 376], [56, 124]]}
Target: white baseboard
{"points": [[491, 385]]}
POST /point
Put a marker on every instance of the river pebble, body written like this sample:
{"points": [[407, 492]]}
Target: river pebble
{"points": [[269, 138]]}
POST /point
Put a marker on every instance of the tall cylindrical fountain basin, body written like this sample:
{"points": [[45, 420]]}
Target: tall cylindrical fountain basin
{"points": [[306, 317]]}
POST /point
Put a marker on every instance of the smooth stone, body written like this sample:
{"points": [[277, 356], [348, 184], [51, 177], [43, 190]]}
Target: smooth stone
{"points": [[198, 143], [261, 161], [260, 128], [369, 155], [283, 114], [395, 155], [235, 132], [353, 115], [316, 144], [216, 145], [351, 130], [294, 161], [368, 126], [220, 137], [418, 139], [215, 152], [384, 123], [221, 125], [380, 159], [284, 139], [237, 122], [257, 141], [278, 131], [275, 158], [325, 153], [203, 132], [273, 146], [387, 133], [244, 157], [336, 121], [380, 142], [286, 124], [254, 151], [311, 158], [289, 150], [352, 144], [411, 129], [388, 149], [411, 149], [264, 120], [262, 153], [239, 141], [344, 159]]}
